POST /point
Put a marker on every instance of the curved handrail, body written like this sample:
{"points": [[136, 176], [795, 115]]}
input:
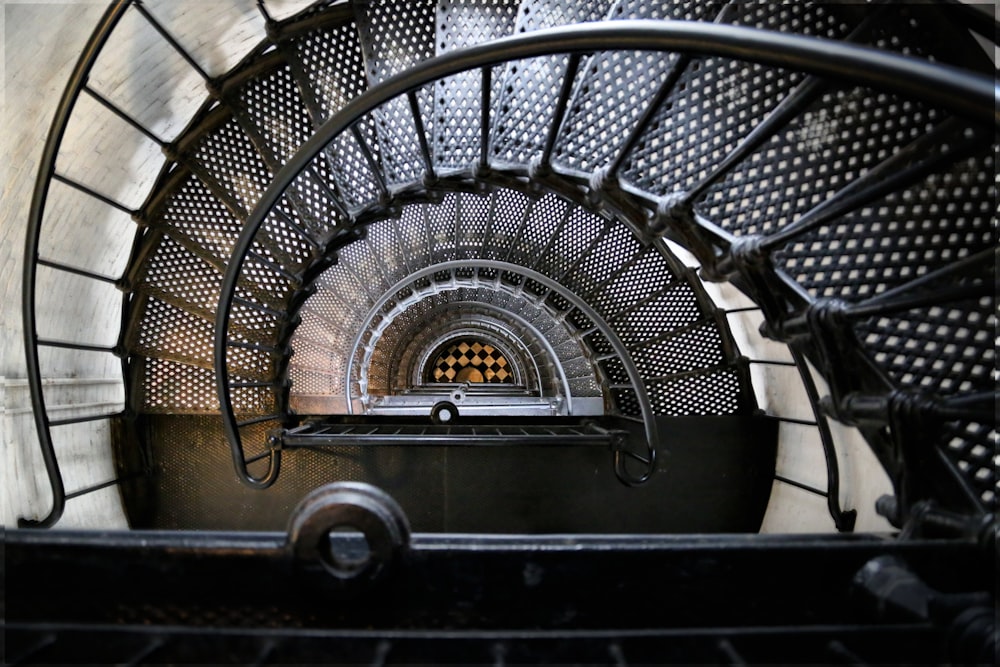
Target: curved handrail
{"points": [[964, 93], [46, 169]]}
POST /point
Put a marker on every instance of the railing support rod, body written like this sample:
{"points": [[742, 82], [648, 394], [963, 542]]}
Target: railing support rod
{"points": [[572, 65], [84, 347], [800, 485], [843, 520], [366, 151], [274, 266], [418, 122], [299, 229], [103, 485], [40, 193], [648, 114], [90, 192], [905, 167], [259, 420], [181, 51], [785, 111], [257, 347], [253, 305], [80, 272], [484, 124], [83, 420], [110, 106]]}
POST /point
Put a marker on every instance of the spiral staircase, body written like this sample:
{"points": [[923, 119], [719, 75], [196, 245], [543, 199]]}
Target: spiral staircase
{"points": [[595, 198]]}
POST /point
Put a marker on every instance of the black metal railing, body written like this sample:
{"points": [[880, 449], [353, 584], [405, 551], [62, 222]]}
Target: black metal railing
{"points": [[746, 261], [970, 97]]}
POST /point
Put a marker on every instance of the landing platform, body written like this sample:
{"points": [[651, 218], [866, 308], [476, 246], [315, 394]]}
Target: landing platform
{"points": [[714, 475]]}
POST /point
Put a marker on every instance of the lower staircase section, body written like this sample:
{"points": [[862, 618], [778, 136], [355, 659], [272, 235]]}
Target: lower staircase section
{"points": [[552, 476]]}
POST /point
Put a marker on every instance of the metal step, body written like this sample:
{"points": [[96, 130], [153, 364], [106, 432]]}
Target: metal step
{"points": [[470, 432]]}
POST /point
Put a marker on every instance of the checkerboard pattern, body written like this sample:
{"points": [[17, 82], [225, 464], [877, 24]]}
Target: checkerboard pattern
{"points": [[470, 360]]}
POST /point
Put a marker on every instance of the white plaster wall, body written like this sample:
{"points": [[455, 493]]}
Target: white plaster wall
{"points": [[40, 44]]}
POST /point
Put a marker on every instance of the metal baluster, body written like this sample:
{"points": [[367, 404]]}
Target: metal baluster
{"points": [[543, 162], [84, 347], [80, 272], [83, 420], [103, 485], [110, 106], [429, 176], [172, 42], [484, 127], [90, 192], [370, 159]]}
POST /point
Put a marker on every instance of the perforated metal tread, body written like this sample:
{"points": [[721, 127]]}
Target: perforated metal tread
{"points": [[394, 36], [457, 144], [717, 102], [531, 87], [614, 90], [634, 287]]}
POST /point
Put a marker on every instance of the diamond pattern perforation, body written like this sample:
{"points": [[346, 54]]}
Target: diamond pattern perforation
{"points": [[524, 107], [228, 157], [813, 19], [386, 245], [195, 211], [524, 113], [917, 30], [173, 271], [333, 62], [339, 299], [606, 257], [413, 236], [272, 101], [582, 228], [472, 225], [326, 382], [909, 233], [626, 402], [312, 192], [646, 276], [612, 93], [172, 333], [173, 388], [715, 393], [688, 351], [973, 449], [250, 323], [508, 215], [715, 104], [839, 137], [441, 228], [354, 178], [395, 36], [675, 309], [946, 349], [402, 158], [614, 371], [545, 218], [456, 142], [362, 262]]}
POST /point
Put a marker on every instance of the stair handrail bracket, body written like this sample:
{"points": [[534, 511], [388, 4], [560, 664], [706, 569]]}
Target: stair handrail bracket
{"points": [[971, 96]]}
